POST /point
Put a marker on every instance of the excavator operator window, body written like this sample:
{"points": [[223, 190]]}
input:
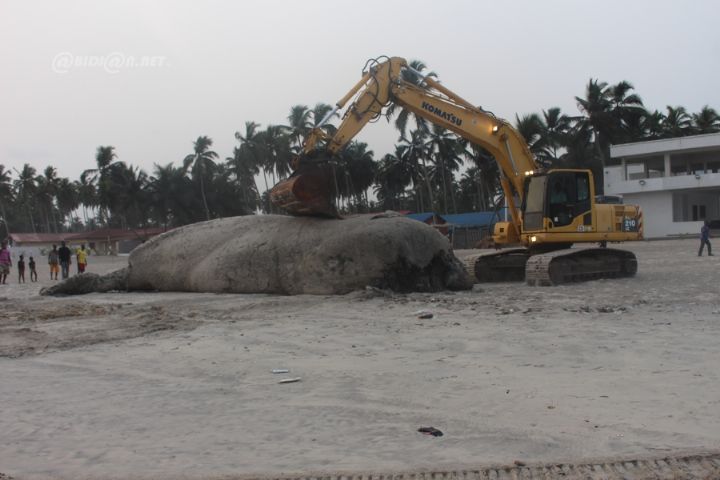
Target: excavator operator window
{"points": [[559, 205], [568, 197], [534, 203], [582, 204]]}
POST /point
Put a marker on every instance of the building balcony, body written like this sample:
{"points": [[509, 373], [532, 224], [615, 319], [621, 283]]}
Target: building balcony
{"points": [[615, 184]]}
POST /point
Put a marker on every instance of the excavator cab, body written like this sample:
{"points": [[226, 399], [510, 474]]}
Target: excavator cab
{"points": [[555, 200]]}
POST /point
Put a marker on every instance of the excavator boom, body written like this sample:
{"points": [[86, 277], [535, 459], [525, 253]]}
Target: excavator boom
{"points": [[384, 83]]}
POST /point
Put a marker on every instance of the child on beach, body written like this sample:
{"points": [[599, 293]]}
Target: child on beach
{"points": [[33, 272], [21, 269], [82, 255]]}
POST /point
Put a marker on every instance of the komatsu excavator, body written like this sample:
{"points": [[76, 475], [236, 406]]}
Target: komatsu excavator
{"points": [[550, 210]]}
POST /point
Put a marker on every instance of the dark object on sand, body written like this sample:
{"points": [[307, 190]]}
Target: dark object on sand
{"points": [[430, 431]]}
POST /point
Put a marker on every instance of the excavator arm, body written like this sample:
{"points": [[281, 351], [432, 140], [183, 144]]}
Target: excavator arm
{"points": [[383, 84]]}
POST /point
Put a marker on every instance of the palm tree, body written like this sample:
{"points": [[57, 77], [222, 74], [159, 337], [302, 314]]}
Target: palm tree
{"points": [[129, 195], [413, 152], [487, 175], [47, 187], [100, 178], [300, 123], [579, 152], [302, 120], [627, 110], [318, 113], [706, 120], [87, 194], [446, 151], [6, 196], [201, 162], [357, 167], [651, 126], [26, 190], [67, 198], [470, 190], [249, 157], [555, 127], [403, 115], [246, 162], [606, 110], [276, 142], [532, 129], [170, 195], [391, 179], [677, 122]]}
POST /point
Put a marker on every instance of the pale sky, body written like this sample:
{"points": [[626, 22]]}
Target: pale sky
{"points": [[221, 63]]}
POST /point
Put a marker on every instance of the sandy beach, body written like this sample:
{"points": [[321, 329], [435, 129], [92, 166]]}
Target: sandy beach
{"points": [[130, 385]]}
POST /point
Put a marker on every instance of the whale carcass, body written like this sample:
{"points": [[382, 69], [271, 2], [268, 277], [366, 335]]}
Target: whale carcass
{"points": [[286, 255]]}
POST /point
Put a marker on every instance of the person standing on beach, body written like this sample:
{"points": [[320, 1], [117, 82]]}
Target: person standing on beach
{"points": [[21, 269], [54, 262], [5, 262], [81, 255], [33, 271], [64, 255], [705, 239]]}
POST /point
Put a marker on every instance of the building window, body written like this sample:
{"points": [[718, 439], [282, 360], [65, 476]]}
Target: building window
{"points": [[677, 168], [655, 167], [698, 212], [697, 168], [694, 206], [636, 170]]}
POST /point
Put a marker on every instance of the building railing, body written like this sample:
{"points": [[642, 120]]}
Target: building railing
{"points": [[615, 185]]}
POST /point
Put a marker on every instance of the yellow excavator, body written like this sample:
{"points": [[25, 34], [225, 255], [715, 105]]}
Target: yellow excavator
{"points": [[550, 210]]}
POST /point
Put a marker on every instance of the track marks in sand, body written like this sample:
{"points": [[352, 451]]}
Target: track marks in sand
{"points": [[34, 328]]}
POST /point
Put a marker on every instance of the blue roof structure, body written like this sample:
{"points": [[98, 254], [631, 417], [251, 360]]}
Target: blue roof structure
{"points": [[472, 219]]}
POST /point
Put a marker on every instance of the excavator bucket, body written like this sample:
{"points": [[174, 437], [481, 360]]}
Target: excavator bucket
{"points": [[308, 192]]}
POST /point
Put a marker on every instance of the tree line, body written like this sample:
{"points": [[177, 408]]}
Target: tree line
{"points": [[429, 169]]}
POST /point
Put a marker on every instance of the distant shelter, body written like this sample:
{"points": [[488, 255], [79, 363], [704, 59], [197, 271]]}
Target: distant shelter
{"points": [[107, 241], [468, 230]]}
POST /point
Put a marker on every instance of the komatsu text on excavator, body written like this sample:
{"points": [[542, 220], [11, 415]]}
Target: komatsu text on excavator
{"points": [[550, 210]]}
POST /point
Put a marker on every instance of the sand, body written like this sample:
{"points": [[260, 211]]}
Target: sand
{"points": [[134, 385]]}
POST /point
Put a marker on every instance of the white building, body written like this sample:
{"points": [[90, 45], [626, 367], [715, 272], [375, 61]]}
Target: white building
{"points": [[675, 181]]}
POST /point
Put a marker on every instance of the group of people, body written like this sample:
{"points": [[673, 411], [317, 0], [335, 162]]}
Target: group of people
{"points": [[59, 260]]}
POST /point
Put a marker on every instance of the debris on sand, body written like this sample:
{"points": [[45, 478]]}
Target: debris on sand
{"points": [[290, 380], [431, 431]]}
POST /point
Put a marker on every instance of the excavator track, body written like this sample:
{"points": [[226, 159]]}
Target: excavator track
{"points": [[501, 266], [578, 265], [568, 265]]}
